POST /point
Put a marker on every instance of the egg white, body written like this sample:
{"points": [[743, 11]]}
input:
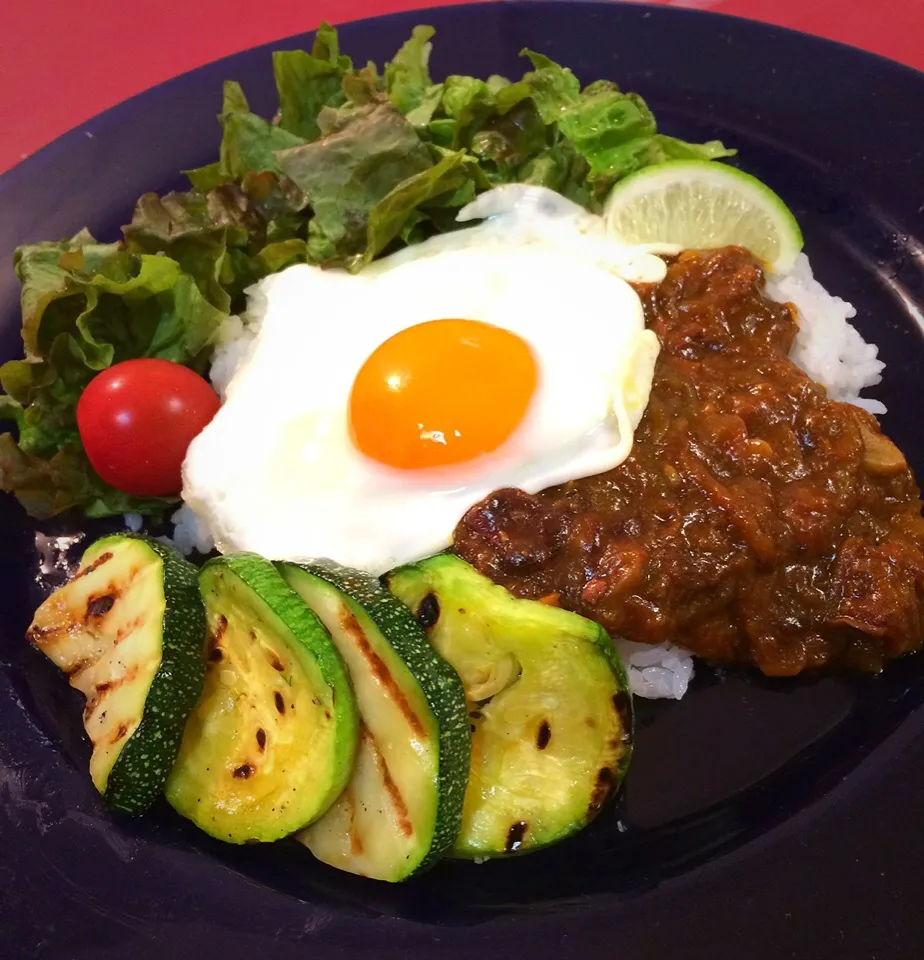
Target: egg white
{"points": [[275, 472]]}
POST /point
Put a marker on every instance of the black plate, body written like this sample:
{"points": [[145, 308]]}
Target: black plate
{"points": [[761, 819]]}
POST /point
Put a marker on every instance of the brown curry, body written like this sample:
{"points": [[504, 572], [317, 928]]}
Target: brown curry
{"points": [[756, 521]]}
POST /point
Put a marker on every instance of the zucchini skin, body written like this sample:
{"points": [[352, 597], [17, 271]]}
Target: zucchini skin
{"points": [[263, 578], [307, 640], [438, 681], [137, 777], [446, 586]]}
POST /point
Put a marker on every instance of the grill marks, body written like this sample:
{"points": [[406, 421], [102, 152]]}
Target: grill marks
{"points": [[100, 691], [100, 606], [93, 624], [221, 625], [398, 803], [356, 839], [36, 634], [120, 733], [379, 669], [97, 606], [105, 629], [89, 613], [216, 653], [393, 815], [97, 563], [428, 611], [213, 647], [77, 668], [603, 787], [129, 628], [552, 689], [607, 779], [622, 704], [386, 789]]}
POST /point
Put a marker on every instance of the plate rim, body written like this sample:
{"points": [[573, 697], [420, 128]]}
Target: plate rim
{"points": [[48, 151], [8, 180]]}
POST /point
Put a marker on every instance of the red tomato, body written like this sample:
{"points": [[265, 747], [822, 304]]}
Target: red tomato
{"points": [[137, 419]]}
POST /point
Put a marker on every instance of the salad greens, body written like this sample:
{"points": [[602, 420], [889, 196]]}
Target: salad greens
{"points": [[355, 163]]}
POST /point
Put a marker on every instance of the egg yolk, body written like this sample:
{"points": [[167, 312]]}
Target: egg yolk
{"points": [[441, 393]]}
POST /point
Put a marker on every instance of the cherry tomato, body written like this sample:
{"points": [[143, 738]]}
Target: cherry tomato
{"points": [[137, 419]]}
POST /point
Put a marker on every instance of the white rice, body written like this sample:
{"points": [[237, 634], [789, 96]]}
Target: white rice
{"points": [[656, 672], [234, 343], [190, 533], [828, 348]]}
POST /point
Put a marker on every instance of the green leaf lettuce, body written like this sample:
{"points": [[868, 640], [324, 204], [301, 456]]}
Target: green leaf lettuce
{"points": [[355, 163]]}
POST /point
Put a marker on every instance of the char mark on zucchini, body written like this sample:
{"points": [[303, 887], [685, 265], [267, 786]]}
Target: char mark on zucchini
{"points": [[428, 611], [215, 653], [604, 786], [92, 567], [402, 807], [100, 606], [402, 814], [260, 760], [380, 671], [539, 772], [622, 704], [128, 630]]}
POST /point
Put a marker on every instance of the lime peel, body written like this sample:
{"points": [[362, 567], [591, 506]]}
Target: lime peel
{"points": [[700, 204]]}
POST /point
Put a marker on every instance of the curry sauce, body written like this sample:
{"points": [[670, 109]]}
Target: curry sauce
{"points": [[756, 521]]}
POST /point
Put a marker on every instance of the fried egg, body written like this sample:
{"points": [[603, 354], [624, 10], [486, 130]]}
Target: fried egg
{"points": [[365, 413]]}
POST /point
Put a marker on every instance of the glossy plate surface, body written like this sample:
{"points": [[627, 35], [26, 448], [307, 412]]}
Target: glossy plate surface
{"points": [[762, 819]]}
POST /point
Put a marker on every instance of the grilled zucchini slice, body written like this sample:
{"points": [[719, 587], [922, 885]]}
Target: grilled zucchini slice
{"points": [[272, 741], [127, 629], [547, 699], [402, 808]]}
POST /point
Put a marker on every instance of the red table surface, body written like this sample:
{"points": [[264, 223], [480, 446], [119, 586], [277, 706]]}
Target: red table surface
{"points": [[62, 62]]}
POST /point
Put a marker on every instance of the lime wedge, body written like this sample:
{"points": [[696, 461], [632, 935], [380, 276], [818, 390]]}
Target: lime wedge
{"points": [[697, 204]]}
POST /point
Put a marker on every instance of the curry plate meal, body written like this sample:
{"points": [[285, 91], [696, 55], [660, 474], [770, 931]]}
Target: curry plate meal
{"points": [[438, 420]]}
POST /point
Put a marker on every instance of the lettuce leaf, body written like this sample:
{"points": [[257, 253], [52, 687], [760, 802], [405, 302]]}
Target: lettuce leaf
{"points": [[308, 82], [248, 144], [364, 153], [553, 88], [407, 78], [86, 306], [617, 134], [48, 486], [219, 238], [355, 163], [406, 202]]}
